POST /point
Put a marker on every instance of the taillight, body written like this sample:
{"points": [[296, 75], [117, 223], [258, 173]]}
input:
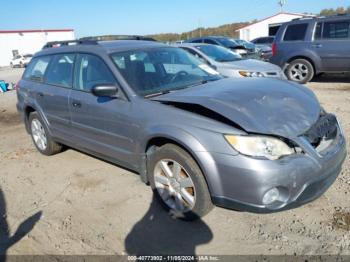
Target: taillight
{"points": [[274, 49]]}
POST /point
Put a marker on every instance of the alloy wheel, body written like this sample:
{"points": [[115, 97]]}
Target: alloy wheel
{"points": [[39, 135], [174, 185], [299, 72]]}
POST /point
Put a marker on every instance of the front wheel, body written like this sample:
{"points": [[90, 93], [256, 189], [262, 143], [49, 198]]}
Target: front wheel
{"points": [[178, 183], [300, 71]]}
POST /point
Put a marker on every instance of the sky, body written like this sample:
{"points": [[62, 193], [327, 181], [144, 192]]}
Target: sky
{"points": [[98, 17]]}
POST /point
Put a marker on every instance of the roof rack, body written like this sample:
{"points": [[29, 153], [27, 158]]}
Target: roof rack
{"points": [[323, 16], [117, 37], [304, 18], [68, 43]]}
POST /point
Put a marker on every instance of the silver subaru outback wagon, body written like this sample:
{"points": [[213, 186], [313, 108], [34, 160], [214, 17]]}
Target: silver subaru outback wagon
{"points": [[198, 139]]}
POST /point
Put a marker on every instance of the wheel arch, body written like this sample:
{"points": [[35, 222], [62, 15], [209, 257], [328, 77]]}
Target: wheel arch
{"points": [[30, 108], [27, 111], [190, 147]]}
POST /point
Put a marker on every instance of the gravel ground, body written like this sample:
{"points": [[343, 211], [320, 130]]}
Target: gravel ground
{"points": [[72, 203]]}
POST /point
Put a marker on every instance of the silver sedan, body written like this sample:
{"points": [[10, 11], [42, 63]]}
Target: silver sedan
{"points": [[231, 64]]}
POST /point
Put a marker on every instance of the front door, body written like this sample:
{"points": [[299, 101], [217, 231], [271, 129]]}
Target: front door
{"points": [[101, 124]]}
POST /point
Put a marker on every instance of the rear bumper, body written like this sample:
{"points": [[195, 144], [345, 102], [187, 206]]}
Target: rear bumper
{"points": [[300, 179], [277, 60]]}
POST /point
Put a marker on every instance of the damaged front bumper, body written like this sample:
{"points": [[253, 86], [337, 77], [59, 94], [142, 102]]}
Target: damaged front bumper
{"points": [[299, 178]]}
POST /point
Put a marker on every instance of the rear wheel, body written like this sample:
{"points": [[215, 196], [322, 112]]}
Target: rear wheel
{"points": [[41, 137], [178, 183], [300, 71]]}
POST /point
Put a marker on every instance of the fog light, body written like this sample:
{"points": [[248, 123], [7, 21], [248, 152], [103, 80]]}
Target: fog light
{"points": [[271, 196]]}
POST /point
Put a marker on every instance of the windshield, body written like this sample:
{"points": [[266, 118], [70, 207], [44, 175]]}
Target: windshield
{"points": [[160, 70], [227, 42], [218, 53]]}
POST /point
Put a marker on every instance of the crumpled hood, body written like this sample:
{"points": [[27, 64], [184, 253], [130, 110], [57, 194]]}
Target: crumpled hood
{"points": [[258, 105], [252, 65]]}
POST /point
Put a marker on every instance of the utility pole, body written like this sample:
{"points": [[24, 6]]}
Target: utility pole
{"points": [[200, 27], [281, 3]]}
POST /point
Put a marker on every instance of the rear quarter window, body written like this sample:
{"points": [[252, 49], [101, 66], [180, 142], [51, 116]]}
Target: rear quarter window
{"points": [[60, 72], [336, 29], [37, 68], [295, 32]]}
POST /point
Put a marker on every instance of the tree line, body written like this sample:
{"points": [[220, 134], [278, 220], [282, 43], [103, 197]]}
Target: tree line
{"points": [[331, 11], [229, 30], [226, 30]]}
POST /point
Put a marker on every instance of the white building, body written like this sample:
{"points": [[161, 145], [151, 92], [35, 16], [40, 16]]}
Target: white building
{"points": [[22, 42], [267, 26]]}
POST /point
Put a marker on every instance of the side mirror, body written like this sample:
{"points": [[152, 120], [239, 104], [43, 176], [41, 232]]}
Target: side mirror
{"points": [[105, 91]]}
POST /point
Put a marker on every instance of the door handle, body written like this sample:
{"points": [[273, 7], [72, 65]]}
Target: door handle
{"points": [[317, 45], [76, 104]]}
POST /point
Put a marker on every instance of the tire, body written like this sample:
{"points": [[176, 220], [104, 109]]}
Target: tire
{"points": [[48, 147], [300, 71], [175, 158]]}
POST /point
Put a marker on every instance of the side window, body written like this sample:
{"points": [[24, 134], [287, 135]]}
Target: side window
{"points": [[90, 70], [209, 41], [318, 31], [60, 71], [259, 41], [197, 41], [270, 40], [295, 32], [36, 69], [336, 29]]}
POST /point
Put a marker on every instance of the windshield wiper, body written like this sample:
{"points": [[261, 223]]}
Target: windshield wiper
{"points": [[157, 94], [202, 82], [228, 60]]}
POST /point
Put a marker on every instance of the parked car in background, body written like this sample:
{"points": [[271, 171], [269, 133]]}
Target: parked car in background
{"points": [[220, 41], [198, 139], [264, 52], [264, 47], [263, 41], [310, 46], [21, 60], [231, 64], [251, 49]]}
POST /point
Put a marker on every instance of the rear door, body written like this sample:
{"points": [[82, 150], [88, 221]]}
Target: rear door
{"points": [[50, 80], [100, 124], [332, 44]]}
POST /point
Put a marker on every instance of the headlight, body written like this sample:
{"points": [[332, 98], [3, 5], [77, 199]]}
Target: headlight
{"points": [[260, 146], [250, 74]]}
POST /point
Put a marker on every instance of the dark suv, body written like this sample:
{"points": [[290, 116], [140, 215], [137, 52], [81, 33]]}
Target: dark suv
{"points": [[310, 46]]}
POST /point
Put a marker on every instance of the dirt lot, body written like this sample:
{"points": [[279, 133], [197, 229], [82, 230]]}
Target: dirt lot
{"points": [[72, 203]]}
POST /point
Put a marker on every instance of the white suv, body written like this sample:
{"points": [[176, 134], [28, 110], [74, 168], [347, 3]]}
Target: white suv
{"points": [[21, 60]]}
